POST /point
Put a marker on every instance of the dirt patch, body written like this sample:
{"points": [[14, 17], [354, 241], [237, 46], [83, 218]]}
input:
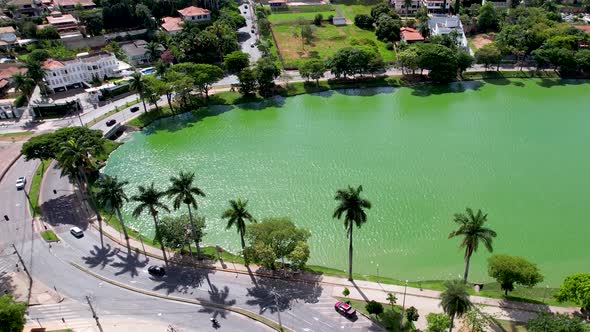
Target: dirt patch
{"points": [[480, 40]]}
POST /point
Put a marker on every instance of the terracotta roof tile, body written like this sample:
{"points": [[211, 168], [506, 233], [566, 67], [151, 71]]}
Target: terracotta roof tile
{"points": [[192, 11], [171, 24]]}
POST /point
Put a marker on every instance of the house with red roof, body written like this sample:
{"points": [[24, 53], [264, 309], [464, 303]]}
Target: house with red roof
{"points": [[173, 25], [410, 35]]}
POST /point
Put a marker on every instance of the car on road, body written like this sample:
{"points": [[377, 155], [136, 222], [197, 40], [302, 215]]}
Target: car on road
{"points": [[157, 271], [345, 309], [252, 45], [245, 13], [246, 6], [20, 183], [111, 122], [134, 109], [252, 31], [77, 232]]}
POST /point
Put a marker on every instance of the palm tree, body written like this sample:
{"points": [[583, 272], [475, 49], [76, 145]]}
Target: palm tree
{"points": [[36, 72], [152, 50], [149, 200], [471, 227], [138, 85], [455, 300], [407, 4], [237, 215], [353, 206], [111, 196], [183, 191], [23, 84], [392, 299]]}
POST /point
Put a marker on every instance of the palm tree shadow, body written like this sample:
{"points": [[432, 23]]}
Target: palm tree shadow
{"points": [[100, 256], [360, 291], [218, 297], [183, 279], [129, 263]]}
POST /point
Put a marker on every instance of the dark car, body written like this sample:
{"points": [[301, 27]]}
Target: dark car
{"points": [[157, 271], [253, 31], [345, 309], [134, 109], [111, 122]]}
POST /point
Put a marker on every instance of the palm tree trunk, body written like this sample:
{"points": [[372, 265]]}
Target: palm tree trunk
{"points": [[120, 216], [169, 98], [190, 215], [158, 238], [467, 259], [350, 253], [143, 101], [452, 321], [242, 239]]}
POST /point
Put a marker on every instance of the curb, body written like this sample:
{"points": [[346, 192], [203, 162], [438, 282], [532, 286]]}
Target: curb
{"points": [[240, 311], [10, 166]]}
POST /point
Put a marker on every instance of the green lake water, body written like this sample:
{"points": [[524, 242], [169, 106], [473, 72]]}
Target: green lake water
{"points": [[517, 149]]}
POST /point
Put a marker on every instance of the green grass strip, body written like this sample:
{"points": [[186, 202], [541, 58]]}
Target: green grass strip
{"points": [[34, 189], [49, 236], [18, 134]]}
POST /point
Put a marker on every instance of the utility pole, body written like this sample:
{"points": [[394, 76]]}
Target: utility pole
{"points": [[26, 271], [94, 315], [278, 309]]}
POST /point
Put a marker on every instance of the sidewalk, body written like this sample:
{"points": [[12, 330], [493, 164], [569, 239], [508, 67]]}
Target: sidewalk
{"points": [[110, 325]]}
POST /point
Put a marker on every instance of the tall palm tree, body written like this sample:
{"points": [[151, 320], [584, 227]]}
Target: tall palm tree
{"points": [[407, 4], [183, 191], [352, 205], [24, 84], [455, 300], [111, 196], [36, 72], [471, 227], [138, 85], [149, 200], [152, 50], [237, 215]]}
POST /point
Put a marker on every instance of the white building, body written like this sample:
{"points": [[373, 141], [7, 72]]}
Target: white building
{"points": [[61, 74], [443, 25], [194, 14], [400, 6], [436, 6]]}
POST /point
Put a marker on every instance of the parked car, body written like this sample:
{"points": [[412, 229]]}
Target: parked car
{"points": [[252, 45], [111, 122], [246, 6], [345, 309], [20, 183], [77, 232], [157, 271], [253, 31], [134, 109]]}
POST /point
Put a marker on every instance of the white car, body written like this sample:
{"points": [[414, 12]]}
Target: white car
{"points": [[77, 232], [20, 183]]}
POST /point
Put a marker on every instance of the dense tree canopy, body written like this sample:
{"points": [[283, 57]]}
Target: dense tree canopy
{"points": [[12, 314], [556, 323], [351, 61], [48, 146], [576, 288], [510, 270]]}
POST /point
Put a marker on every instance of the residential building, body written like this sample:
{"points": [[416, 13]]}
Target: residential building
{"points": [[339, 20], [410, 35], [496, 3], [61, 74], [70, 5], [436, 6], [26, 7], [400, 6], [7, 37], [277, 4], [6, 71], [443, 25], [63, 23], [135, 51], [194, 14], [173, 25]]}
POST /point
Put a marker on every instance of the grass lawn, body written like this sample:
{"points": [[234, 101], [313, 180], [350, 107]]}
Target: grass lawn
{"points": [[286, 17], [34, 190], [109, 146], [388, 319], [19, 134], [510, 326], [327, 40], [49, 236], [350, 11]]}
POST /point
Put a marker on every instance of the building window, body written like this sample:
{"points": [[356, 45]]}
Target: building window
{"points": [[54, 74]]}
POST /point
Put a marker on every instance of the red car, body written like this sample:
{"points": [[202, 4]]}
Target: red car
{"points": [[345, 309]]}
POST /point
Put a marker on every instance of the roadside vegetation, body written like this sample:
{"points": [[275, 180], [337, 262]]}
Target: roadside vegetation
{"points": [[35, 186], [49, 236]]}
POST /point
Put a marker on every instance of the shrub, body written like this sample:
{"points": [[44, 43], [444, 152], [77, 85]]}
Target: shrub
{"points": [[374, 308], [412, 314], [318, 19], [364, 21], [437, 322]]}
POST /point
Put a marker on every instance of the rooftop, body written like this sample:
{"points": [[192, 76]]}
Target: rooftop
{"points": [[65, 18], [410, 34], [585, 27], [6, 29], [67, 3], [8, 69], [136, 47], [444, 21], [52, 64], [192, 11], [171, 24]]}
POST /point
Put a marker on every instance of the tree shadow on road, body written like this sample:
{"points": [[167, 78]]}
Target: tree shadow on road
{"points": [[218, 297], [129, 263], [183, 279], [286, 291], [6, 284], [522, 311], [100, 256], [64, 210]]}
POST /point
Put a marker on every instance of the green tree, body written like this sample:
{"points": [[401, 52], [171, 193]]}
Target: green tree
{"points": [[175, 231], [473, 231], [488, 18], [583, 60], [12, 314], [299, 255], [153, 50], [183, 191], [437, 322], [409, 60], [149, 199], [558, 323], [382, 9], [487, 55], [237, 215], [374, 308], [153, 89], [476, 320], [455, 300], [364, 21], [137, 84], [116, 49], [47, 32], [575, 288], [93, 22], [247, 81], [464, 61], [440, 60], [35, 70], [508, 270], [23, 84], [282, 237], [313, 69], [392, 299], [236, 61], [317, 20], [266, 72], [345, 292], [306, 34], [39, 55], [181, 84], [412, 314], [111, 196], [352, 206], [38, 147], [388, 28], [205, 76]]}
